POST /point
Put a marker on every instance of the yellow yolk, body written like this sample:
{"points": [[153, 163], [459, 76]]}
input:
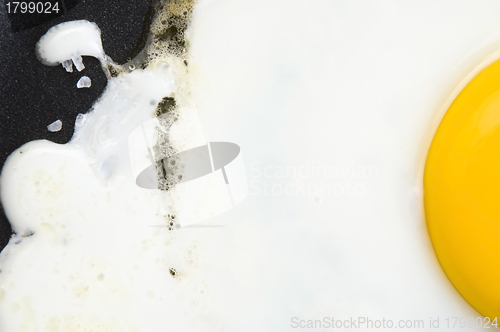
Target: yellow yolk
{"points": [[462, 192]]}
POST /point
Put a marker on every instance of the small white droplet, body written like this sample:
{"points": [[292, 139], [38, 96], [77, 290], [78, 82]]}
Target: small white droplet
{"points": [[80, 120], [55, 126], [68, 65], [84, 82], [77, 60]]}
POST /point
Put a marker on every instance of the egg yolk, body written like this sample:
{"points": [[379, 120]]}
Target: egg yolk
{"points": [[462, 192]]}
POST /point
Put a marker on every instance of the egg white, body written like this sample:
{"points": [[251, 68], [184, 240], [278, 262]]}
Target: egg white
{"points": [[334, 105]]}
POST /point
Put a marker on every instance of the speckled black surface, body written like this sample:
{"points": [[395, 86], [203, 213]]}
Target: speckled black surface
{"points": [[33, 95]]}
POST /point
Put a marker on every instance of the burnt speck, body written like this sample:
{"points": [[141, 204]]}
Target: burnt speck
{"points": [[28, 233], [112, 71], [173, 272], [166, 105]]}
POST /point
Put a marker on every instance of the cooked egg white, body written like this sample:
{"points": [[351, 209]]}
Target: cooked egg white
{"points": [[334, 105]]}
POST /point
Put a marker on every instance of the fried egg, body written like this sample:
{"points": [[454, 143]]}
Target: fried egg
{"points": [[334, 106]]}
